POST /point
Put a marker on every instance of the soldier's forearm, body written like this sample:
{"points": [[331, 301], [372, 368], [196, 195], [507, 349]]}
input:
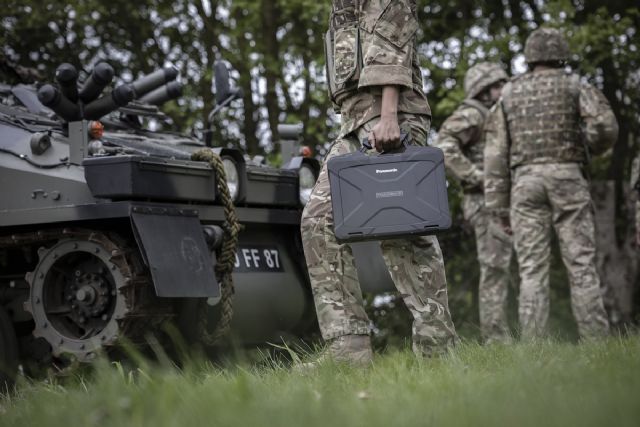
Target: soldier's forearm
{"points": [[601, 126], [385, 135], [456, 162], [390, 99], [462, 168], [601, 132]]}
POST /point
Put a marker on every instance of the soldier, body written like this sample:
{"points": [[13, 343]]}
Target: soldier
{"points": [[461, 137], [375, 82], [538, 141]]}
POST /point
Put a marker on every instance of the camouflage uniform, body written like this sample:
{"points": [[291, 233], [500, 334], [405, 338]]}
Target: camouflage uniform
{"points": [[537, 139], [461, 137], [371, 44]]}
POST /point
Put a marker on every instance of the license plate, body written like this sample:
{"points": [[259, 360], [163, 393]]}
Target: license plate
{"points": [[258, 258]]}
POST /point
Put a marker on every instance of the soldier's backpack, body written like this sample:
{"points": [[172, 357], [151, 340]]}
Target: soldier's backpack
{"points": [[390, 195]]}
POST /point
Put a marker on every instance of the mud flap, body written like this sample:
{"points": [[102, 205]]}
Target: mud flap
{"points": [[174, 249], [373, 273]]}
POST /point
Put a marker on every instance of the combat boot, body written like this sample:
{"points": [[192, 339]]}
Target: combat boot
{"points": [[354, 350]]}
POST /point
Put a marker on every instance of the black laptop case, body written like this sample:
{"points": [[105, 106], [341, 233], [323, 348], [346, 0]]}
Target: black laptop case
{"points": [[389, 195]]}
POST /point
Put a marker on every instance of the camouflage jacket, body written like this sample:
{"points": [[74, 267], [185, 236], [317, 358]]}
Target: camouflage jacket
{"points": [[543, 117], [371, 44], [461, 137]]}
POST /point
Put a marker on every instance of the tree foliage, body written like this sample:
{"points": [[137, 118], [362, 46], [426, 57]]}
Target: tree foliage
{"points": [[276, 48]]}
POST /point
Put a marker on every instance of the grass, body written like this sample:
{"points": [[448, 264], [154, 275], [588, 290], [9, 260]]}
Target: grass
{"points": [[536, 384]]}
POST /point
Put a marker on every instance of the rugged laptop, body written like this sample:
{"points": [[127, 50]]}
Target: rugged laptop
{"points": [[390, 195]]}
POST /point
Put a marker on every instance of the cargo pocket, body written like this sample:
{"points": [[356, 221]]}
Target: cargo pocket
{"points": [[396, 24], [569, 184], [312, 240], [345, 55], [328, 53], [342, 53], [332, 256]]}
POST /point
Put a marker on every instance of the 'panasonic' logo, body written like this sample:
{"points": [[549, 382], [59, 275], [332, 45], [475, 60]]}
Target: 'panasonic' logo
{"points": [[387, 194], [386, 170]]}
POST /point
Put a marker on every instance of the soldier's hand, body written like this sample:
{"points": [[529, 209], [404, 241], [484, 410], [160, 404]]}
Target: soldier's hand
{"points": [[385, 135]]}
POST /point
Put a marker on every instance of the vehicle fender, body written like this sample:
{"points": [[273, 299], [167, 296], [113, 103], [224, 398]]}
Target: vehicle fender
{"points": [[173, 246]]}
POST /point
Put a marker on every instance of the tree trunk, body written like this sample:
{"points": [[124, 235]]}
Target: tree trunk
{"points": [[250, 120], [617, 260], [271, 63], [250, 128]]}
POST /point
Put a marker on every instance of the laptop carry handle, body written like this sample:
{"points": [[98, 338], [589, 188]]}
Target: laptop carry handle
{"points": [[405, 139]]}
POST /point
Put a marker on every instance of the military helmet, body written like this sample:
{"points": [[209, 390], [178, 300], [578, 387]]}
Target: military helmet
{"points": [[481, 76], [546, 45]]}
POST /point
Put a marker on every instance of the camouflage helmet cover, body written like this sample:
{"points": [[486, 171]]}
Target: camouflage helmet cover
{"points": [[546, 45], [481, 76]]}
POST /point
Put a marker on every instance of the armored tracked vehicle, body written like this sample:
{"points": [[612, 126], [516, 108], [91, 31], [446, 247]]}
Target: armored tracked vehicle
{"points": [[109, 229]]}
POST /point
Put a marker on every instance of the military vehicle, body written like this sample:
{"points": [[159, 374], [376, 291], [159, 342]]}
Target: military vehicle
{"points": [[108, 229]]}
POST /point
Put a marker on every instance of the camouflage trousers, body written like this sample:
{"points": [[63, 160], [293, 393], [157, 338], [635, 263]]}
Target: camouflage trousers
{"points": [[556, 195], [416, 265], [494, 248]]}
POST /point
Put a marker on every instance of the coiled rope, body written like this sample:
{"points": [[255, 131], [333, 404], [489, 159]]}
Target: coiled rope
{"points": [[225, 255]]}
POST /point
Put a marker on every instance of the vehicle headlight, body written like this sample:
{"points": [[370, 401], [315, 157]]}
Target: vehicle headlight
{"points": [[307, 181], [233, 181]]}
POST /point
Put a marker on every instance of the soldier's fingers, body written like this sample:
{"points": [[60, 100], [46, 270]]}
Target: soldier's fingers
{"points": [[374, 142]]}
